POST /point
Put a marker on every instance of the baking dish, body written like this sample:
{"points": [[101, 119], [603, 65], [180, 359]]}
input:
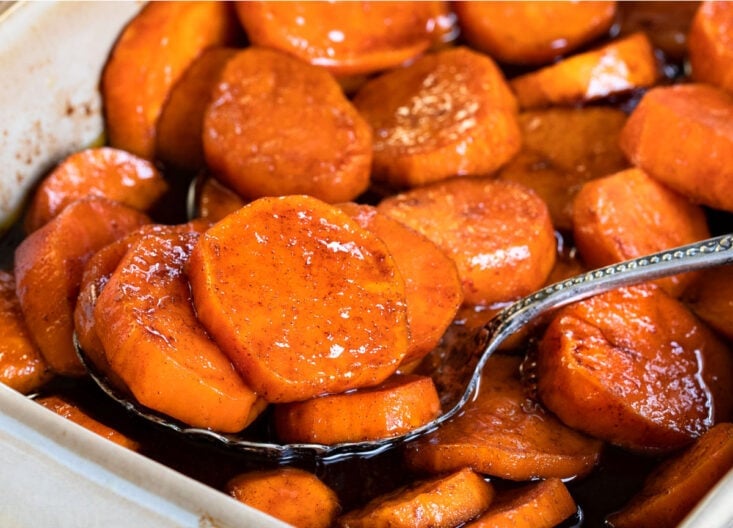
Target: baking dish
{"points": [[56, 473]]}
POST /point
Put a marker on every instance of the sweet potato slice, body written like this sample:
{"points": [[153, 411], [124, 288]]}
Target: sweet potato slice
{"points": [[504, 434], [441, 502], [71, 411], [711, 298], [562, 148], [346, 38], [214, 200], [498, 233], [396, 406], [700, 167], [179, 132], [629, 214], [302, 299], [449, 113], [279, 126], [636, 368], [22, 366], [432, 287], [292, 495], [532, 32], [107, 172], [48, 267], [618, 67], [151, 54], [709, 46], [145, 320], [543, 504], [674, 488]]}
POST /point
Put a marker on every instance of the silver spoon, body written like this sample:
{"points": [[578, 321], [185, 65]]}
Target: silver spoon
{"points": [[705, 254]]}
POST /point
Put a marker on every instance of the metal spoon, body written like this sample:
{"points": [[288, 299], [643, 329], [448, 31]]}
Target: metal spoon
{"points": [[705, 254]]}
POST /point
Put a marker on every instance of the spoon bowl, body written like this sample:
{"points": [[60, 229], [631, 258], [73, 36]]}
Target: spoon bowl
{"points": [[256, 441]]}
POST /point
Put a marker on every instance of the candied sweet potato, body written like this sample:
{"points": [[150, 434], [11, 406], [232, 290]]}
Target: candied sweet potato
{"points": [[618, 67], [709, 45], [214, 200], [448, 114], [22, 366], [532, 32], [149, 57], [278, 126], [104, 171], [634, 367], [501, 433], [302, 299], [49, 265], [711, 298], [700, 166], [145, 320], [292, 495], [629, 214], [394, 407], [498, 233]]}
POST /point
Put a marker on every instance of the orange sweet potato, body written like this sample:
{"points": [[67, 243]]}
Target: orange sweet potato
{"points": [[151, 54], [620, 66], [532, 32], [396, 406], [107, 172], [179, 131], [498, 233], [449, 113], [145, 320], [629, 214], [709, 46], [636, 368], [48, 268], [667, 23], [292, 495], [302, 299], [543, 504], [432, 287], [441, 502], [674, 488], [711, 298], [214, 201], [700, 167], [502, 433], [22, 366], [278, 126], [562, 148], [346, 38], [71, 411]]}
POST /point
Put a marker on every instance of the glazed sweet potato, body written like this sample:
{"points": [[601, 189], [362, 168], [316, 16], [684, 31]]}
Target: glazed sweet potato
{"points": [[674, 488], [635, 368], [543, 504], [562, 148], [214, 201], [709, 45], [498, 233], [698, 167], [149, 57], [179, 129], [532, 32], [442, 502], [48, 268], [302, 299], [292, 495], [278, 126], [107, 172], [145, 320], [503, 434], [432, 287], [22, 366], [345, 38], [396, 406], [620, 66], [449, 113], [71, 411], [629, 214], [711, 298]]}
